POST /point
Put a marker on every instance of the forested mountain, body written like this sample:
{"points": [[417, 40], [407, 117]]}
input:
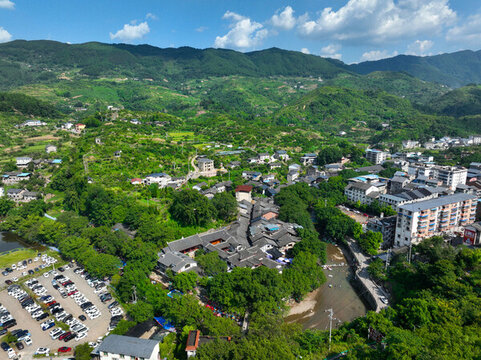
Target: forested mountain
{"points": [[360, 112], [459, 102], [454, 70], [145, 61], [26, 105]]}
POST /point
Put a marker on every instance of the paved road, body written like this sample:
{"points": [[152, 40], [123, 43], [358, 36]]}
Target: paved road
{"points": [[363, 275]]}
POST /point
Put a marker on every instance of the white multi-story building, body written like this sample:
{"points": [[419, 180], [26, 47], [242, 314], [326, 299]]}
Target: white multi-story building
{"points": [[362, 192], [206, 167], [376, 156], [451, 176], [423, 219], [116, 347]]}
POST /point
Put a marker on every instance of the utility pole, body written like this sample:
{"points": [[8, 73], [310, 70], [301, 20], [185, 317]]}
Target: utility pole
{"points": [[409, 253], [388, 258], [331, 317]]}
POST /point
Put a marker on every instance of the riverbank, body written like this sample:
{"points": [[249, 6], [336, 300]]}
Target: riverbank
{"points": [[337, 293]]}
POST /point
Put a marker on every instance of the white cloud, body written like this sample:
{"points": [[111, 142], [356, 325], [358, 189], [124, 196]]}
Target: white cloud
{"points": [[131, 32], [244, 32], [379, 21], [201, 29], [4, 35], [331, 51], [420, 47], [305, 51], [377, 55], [151, 16], [7, 4], [284, 20], [468, 32]]}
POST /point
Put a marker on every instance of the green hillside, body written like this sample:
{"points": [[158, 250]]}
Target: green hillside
{"points": [[396, 83], [459, 102], [367, 115], [454, 70], [145, 61], [21, 104]]}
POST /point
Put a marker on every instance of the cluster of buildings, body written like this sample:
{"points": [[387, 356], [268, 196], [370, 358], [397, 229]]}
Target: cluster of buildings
{"points": [[443, 143], [429, 199], [161, 179], [266, 158], [256, 238]]}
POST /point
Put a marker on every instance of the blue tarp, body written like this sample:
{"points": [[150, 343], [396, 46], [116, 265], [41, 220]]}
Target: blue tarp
{"points": [[166, 324]]}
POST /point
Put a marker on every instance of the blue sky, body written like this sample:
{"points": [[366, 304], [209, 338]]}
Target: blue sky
{"points": [[351, 30]]}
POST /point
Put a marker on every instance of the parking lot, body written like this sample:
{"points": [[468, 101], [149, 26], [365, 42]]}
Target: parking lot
{"points": [[97, 327]]}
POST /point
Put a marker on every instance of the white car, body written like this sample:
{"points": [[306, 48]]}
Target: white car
{"points": [[80, 336], [46, 274], [384, 300], [27, 341], [11, 353], [14, 267], [36, 259], [56, 335], [42, 351]]}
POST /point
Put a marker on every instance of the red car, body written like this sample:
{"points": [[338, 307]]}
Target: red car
{"points": [[72, 293], [61, 337], [64, 349], [51, 303]]}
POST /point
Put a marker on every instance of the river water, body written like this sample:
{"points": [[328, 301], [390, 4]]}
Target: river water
{"points": [[337, 293]]}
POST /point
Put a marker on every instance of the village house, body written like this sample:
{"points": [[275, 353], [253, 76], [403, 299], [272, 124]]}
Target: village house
{"points": [[281, 155], [308, 159], [136, 181], [175, 261], [50, 149], [15, 194], [263, 157], [34, 123], [161, 179], [195, 339], [243, 192], [12, 178], [115, 347], [206, 167], [23, 161], [80, 127]]}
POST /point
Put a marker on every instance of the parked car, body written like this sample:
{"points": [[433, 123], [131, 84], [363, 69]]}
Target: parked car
{"points": [[64, 335], [42, 351], [4, 346], [19, 346]]}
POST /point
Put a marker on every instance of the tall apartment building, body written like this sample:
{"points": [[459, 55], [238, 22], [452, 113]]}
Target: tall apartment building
{"points": [[424, 219], [375, 156]]}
